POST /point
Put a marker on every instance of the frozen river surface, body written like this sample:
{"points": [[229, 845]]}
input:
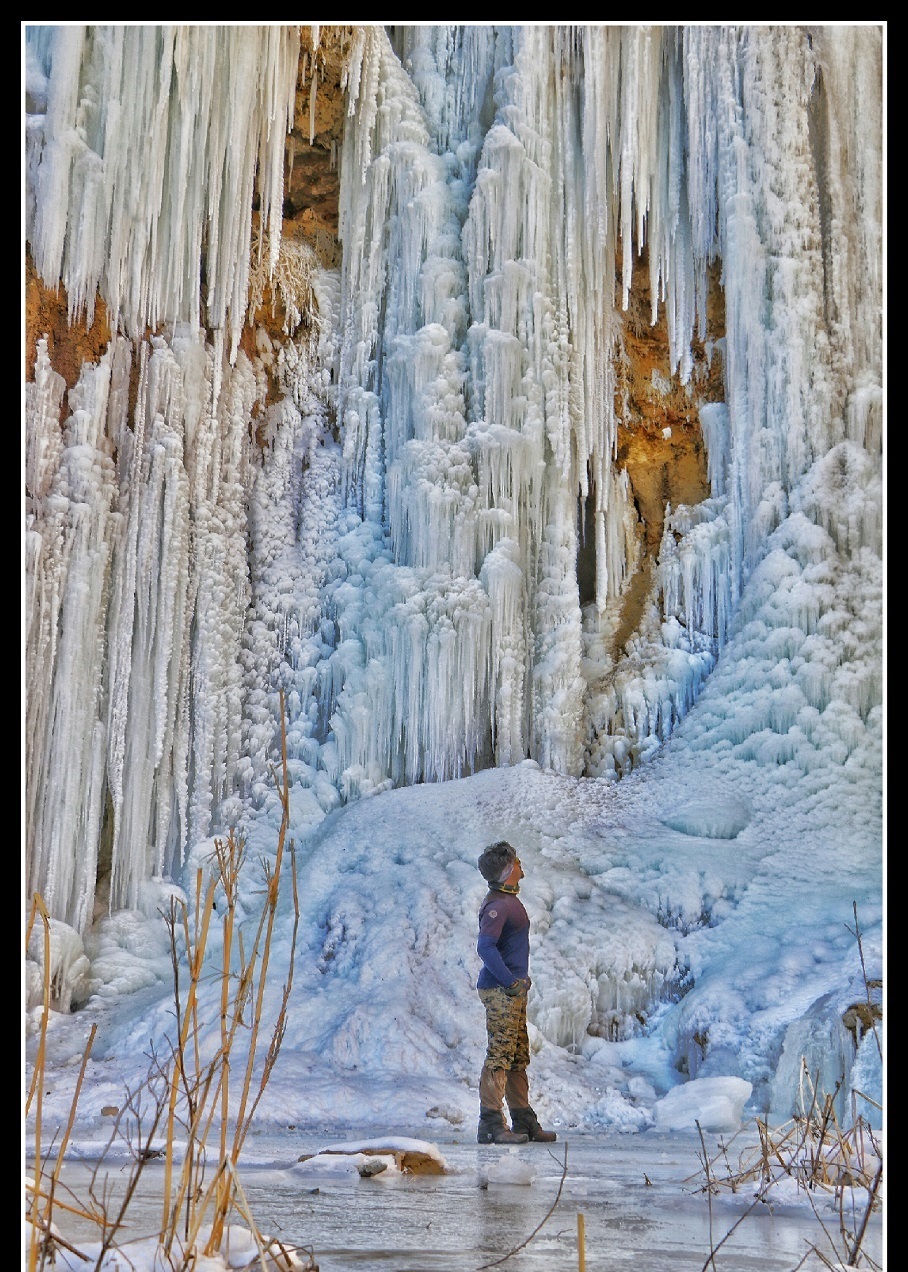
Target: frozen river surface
{"points": [[640, 1197]]}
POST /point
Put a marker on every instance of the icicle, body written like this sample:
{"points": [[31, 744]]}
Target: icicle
{"points": [[71, 540], [143, 157]]}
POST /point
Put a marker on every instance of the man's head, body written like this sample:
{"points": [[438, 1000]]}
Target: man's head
{"points": [[497, 861]]}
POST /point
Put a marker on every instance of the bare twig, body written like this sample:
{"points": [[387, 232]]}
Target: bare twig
{"points": [[817, 1153], [141, 1157], [709, 1197], [856, 933], [261, 954], [38, 907], [51, 1238], [186, 1093], [714, 1249], [859, 1239], [37, 1083], [547, 1217]]}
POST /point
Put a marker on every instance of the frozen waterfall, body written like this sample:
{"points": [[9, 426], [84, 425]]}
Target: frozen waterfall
{"points": [[391, 536]]}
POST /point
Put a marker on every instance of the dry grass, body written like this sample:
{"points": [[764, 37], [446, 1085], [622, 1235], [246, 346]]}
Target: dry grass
{"points": [[814, 1150], [820, 1157], [817, 1153], [183, 1097]]}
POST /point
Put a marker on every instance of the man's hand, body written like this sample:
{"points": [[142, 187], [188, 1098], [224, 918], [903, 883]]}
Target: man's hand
{"points": [[518, 987]]}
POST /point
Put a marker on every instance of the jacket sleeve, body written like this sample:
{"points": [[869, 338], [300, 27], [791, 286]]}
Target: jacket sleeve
{"points": [[490, 928]]}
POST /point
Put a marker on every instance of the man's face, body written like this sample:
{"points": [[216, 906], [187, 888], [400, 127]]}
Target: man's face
{"points": [[515, 874]]}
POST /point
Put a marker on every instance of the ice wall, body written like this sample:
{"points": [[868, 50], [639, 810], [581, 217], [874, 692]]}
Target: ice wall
{"points": [[779, 160], [138, 588], [481, 320], [141, 171], [398, 550], [477, 381]]}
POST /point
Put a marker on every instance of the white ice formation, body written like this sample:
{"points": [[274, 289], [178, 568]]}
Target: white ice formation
{"points": [[400, 558]]}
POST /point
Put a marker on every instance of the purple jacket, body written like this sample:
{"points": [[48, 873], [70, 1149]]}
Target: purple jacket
{"points": [[504, 940]]}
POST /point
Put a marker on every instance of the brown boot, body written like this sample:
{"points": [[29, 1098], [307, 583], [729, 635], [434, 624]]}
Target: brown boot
{"points": [[492, 1129], [526, 1121]]}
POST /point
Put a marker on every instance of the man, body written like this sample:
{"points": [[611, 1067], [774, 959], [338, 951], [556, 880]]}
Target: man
{"points": [[503, 985]]}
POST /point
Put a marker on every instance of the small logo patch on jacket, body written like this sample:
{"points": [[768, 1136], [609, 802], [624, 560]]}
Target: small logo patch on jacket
{"points": [[493, 914]]}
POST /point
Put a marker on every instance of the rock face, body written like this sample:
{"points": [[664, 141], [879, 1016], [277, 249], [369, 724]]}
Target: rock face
{"points": [[67, 346], [311, 178], [660, 442]]}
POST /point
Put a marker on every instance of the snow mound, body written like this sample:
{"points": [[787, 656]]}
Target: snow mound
{"points": [[721, 818], [717, 1104]]}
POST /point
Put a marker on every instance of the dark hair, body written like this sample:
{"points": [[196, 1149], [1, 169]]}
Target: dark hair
{"points": [[495, 861]]}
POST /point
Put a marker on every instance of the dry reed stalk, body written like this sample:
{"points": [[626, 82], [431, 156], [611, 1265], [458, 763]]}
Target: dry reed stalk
{"points": [[79, 1211], [229, 871], [37, 1083], [53, 1239], [197, 1216], [201, 1099], [72, 1107], [43, 1222], [203, 1095], [815, 1151], [194, 957], [854, 1250], [263, 940], [275, 1250], [856, 933]]}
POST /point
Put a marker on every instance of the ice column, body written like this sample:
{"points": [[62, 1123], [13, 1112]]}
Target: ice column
{"points": [[178, 608], [771, 117], [410, 672], [72, 529], [483, 197]]}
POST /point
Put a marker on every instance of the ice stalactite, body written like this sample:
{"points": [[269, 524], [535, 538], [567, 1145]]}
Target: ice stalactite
{"points": [[767, 115], [70, 542], [409, 675], [772, 179], [483, 408], [142, 173], [152, 144], [138, 592], [177, 610]]}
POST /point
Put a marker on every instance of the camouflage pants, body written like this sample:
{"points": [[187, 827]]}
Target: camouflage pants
{"points": [[504, 1074], [506, 1027]]}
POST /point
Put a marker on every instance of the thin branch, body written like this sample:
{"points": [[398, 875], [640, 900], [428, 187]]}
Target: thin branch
{"points": [[140, 1161], [54, 1239], [709, 1197], [551, 1211], [856, 933], [859, 1239], [761, 1196]]}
